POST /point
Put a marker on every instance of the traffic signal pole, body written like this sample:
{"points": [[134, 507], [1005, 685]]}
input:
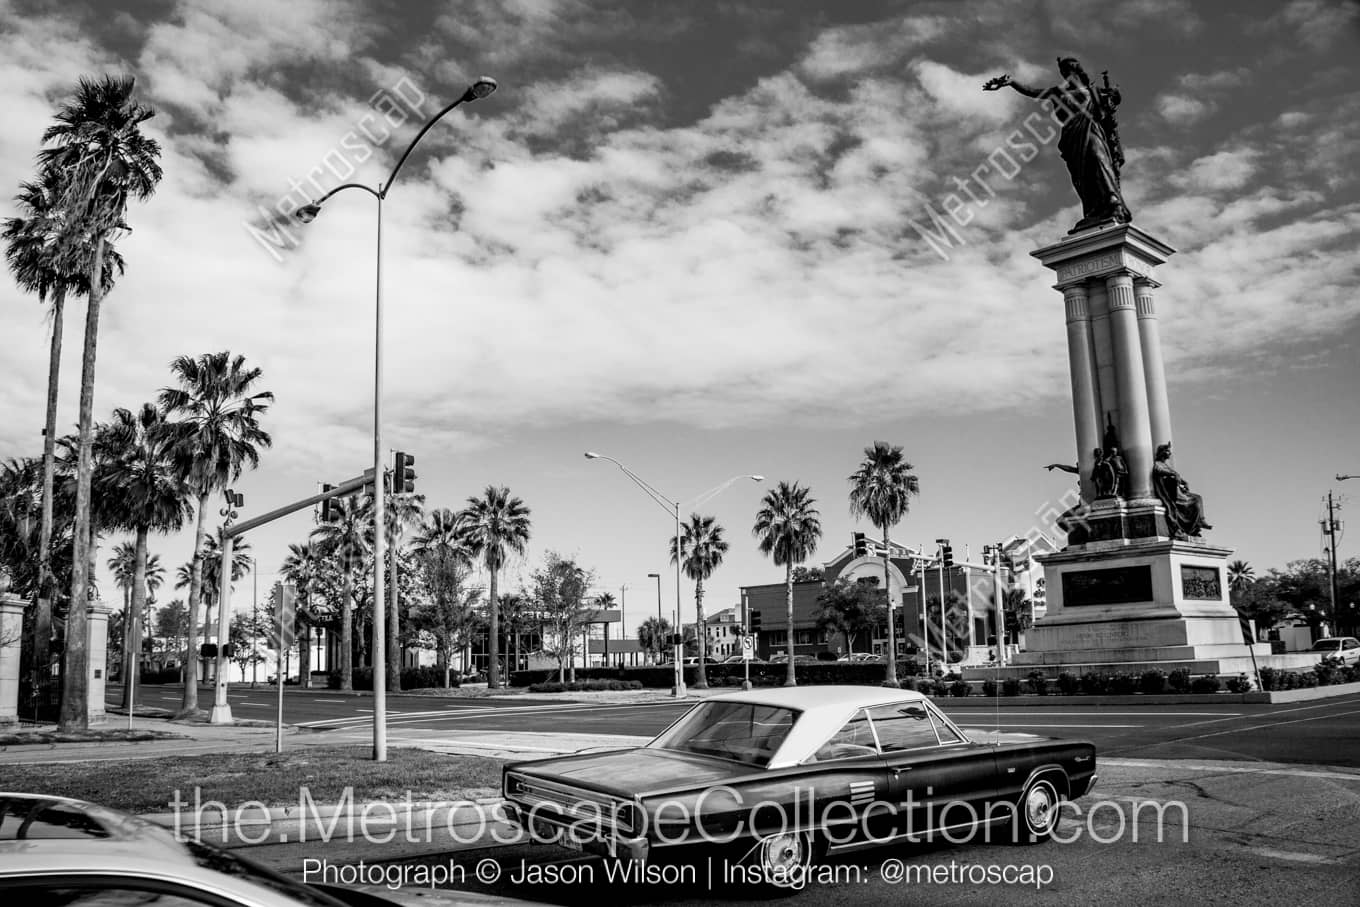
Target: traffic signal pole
{"points": [[221, 710]]}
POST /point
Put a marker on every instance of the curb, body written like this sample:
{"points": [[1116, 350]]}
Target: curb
{"points": [[1058, 700]]}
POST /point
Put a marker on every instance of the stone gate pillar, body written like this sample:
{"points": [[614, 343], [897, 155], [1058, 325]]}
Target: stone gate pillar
{"points": [[11, 642], [98, 637]]}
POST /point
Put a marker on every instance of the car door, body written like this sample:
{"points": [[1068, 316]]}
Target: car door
{"points": [[937, 778]]}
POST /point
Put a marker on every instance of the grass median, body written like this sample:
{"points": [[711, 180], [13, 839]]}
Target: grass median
{"points": [[275, 779]]}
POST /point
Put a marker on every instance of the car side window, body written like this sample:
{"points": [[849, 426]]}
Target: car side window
{"points": [[903, 726], [855, 738]]}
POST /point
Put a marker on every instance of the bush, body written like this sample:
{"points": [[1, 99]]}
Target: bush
{"points": [[1123, 684], [1093, 684], [1208, 683], [554, 686], [1152, 682], [1010, 686], [1239, 684], [1068, 683], [411, 678], [927, 687], [960, 688], [1328, 671], [1179, 680], [1038, 683], [989, 688]]}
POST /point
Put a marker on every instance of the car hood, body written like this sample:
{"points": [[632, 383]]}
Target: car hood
{"points": [[635, 771]]}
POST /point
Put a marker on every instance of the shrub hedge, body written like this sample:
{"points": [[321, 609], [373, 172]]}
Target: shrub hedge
{"points": [[553, 686], [422, 678]]}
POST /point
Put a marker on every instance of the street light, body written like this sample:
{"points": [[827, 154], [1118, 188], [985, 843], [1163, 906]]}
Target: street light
{"points": [[674, 507], [307, 213]]}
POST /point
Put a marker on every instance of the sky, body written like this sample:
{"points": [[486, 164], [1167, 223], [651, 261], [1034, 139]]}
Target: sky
{"points": [[696, 238]]}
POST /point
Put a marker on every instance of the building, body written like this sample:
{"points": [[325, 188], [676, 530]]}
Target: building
{"points": [[723, 636]]}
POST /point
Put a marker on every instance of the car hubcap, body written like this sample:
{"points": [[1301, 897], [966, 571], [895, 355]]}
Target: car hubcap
{"points": [[783, 858], [1039, 808]]}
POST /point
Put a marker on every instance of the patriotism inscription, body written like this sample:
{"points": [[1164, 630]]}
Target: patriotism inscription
{"points": [[1112, 586]]}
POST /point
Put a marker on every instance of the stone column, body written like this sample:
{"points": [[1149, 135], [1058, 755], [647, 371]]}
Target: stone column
{"points": [[1102, 348], [98, 642], [1154, 372], [1135, 433], [1081, 364], [11, 639]]}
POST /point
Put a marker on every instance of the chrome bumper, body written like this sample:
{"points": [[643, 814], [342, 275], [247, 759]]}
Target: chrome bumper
{"points": [[549, 829]]}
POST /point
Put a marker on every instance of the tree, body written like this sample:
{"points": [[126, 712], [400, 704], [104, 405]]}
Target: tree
{"points": [[492, 526], [216, 438], [699, 548], [449, 613], [99, 157], [787, 528], [402, 512], [1240, 575], [850, 606], [245, 633], [1017, 611], [346, 537], [172, 623], [299, 569], [154, 499], [41, 265], [517, 616], [560, 595], [652, 634], [881, 489]]}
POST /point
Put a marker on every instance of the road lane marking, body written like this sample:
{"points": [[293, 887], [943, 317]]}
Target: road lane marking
{"points": [[330, 700]]}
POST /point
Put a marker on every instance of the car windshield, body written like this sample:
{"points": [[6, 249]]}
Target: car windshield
{"points": [[741, 731]]}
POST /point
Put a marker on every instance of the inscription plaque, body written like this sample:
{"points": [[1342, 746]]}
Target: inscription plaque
{"points": [[1112, 586], [1201, 583]]}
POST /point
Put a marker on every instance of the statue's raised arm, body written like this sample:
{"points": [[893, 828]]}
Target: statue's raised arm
{"points": [[1089, 144]]}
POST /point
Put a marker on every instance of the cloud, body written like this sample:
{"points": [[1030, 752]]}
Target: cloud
{"points": [[1319, 23], [1225, 170]]}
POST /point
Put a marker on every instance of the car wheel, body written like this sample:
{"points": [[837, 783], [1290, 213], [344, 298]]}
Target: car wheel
{"points": [[1037, 812], [783, 859]]}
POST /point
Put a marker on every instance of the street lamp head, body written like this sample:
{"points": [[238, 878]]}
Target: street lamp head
{"points": [[480, 89], [308, 213], [592, 455], [654, 576], [756, 478]]}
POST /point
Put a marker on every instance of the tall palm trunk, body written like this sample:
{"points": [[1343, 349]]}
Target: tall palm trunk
{"points": [[189, 703], [133, 648], [701, 633], [305, 656], [47, 588], [493, 666], [890, 674], [75, 698], [790, 679], [347, 631]]}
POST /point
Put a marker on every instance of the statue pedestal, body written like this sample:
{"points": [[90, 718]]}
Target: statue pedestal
{"points": [[1135, 606]]}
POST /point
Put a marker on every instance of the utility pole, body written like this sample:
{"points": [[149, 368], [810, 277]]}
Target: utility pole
{"points": [[1330, 529]]}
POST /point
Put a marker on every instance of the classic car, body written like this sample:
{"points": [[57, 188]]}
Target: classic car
{"points": [[776, 779], [58, 852]]}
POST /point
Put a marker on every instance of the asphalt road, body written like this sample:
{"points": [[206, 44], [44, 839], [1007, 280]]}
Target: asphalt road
{"points": [[1323, 732]]}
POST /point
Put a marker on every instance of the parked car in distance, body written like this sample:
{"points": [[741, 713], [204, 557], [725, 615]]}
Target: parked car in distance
{"points": [[1346, 648], [773, 780], [797, 659], [55, 850], [858, 657]]}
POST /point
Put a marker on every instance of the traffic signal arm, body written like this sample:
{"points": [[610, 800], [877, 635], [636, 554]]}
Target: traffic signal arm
{"points": [[349, 486]]}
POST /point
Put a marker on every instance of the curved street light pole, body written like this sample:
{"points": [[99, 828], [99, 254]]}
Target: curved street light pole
{"points": [[307, 213], [674, 507]]}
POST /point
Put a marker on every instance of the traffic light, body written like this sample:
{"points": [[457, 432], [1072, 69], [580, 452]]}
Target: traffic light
{"points": [[207, 650], [235, 498], [404, 475], [228, 649], [860, 544], [329, 510], [755, 622], [946, 554]]}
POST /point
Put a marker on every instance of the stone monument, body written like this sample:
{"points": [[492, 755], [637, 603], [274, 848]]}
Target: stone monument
{"points": [[1137, 586]]}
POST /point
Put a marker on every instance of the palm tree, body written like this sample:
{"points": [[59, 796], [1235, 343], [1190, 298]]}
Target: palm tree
{"points": [[700, 549], [881, 489], [441, 547], [300, 568], [1240, 575], [30, 250], [651, 634], [217, 437], [402, 512], [154, 499], [493, 525], [787, 528], [347, 536], [99, 157]]}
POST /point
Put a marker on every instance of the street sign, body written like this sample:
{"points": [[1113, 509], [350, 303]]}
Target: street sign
{"points": [[284, 599], [748, 648]]}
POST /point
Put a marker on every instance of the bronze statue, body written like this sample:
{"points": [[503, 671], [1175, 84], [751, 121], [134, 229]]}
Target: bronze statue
{"points": [[1104, 477], [1184, 508], [1089, 143]]}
